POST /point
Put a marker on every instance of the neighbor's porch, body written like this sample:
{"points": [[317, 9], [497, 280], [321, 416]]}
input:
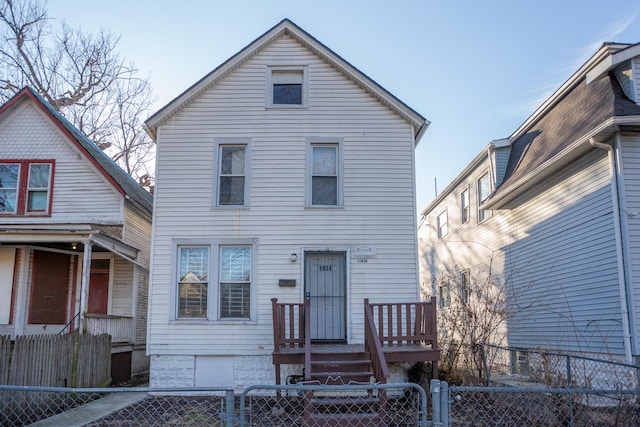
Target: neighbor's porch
{"points": [[394, 333]]}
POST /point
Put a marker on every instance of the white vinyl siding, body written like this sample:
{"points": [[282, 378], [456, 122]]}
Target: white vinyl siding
{"points": [[556, 251], [378, 192], [630, 218]]}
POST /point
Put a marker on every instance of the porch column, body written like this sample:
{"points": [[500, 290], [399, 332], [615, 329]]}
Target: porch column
{"points": [[84, 284]]}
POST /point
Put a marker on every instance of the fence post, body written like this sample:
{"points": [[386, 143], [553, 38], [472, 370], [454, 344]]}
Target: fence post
{"points": [[485, 364], [434, 389], [444, 403], [230, 409]]}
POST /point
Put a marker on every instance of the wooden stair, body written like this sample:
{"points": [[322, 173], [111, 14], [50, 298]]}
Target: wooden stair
{"points": [[359, 408], [340, 368]]}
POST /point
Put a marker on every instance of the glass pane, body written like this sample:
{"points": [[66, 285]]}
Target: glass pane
{"points": [[232, 161], [235, 300], [194, 264], [324, 190], [231, 190], [287, 94], [193, 300], [39, 176], [9, 176], [236, 264], [324, 161], [37, 201], [8, 200], [483, 187]]}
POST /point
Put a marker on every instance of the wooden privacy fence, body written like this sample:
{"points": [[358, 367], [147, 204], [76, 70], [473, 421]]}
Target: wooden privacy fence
{"points": [[56, 360]]}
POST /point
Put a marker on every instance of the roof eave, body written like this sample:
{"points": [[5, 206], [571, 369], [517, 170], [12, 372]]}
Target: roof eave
{"points": [[515, 189]]}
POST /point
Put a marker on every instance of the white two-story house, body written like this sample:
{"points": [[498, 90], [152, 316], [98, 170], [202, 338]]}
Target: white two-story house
{"points": [[284, 173]]}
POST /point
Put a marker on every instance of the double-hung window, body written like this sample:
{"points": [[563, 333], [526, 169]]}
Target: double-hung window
{"points": [[193, 281], [235, 282], [464, 206], [484, 190], [214, 281], [233, 173], [287, 87], [324, 174], [443, 224], [25, 187]]}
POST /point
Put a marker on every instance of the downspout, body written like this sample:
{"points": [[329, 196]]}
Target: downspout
{"points": [[619, 248]]}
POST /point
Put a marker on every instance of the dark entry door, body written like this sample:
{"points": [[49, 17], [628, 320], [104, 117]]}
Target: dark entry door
{"points": [[325, 282], [49, 288]]}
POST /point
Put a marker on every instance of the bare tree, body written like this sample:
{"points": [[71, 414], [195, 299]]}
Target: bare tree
{"points": [[82, 76]]}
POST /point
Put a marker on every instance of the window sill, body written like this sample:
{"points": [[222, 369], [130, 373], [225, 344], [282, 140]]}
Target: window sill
{"points": [[230, 322], [323, 207], [231, 207], [287, 107]]}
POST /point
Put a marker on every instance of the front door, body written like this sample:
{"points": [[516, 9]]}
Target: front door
{"points": [[99, 286], [325, 285], [49, 288]]}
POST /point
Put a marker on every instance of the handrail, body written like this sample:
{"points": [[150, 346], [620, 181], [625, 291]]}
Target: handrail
{"points": [[307, 339], [403, 324], [373, 345], [62, 331]]}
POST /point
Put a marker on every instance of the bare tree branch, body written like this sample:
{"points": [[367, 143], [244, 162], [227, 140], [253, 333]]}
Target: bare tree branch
{"points": [[82, 76]]}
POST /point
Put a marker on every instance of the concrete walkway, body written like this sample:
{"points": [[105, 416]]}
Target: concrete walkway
{"points": [[93, 411]]}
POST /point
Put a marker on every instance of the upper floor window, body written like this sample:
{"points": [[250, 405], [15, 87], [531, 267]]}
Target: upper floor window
{"points": [[484, 190], [464, 206], [287, 87], [233, 168], [325, 174], [25, 187], [443, 227]]}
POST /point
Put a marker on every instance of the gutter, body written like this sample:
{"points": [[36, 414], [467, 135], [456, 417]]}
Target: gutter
{"points": [[613, 173]]}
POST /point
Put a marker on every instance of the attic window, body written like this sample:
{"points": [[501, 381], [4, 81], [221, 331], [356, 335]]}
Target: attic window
{"points": [[287, 87]]}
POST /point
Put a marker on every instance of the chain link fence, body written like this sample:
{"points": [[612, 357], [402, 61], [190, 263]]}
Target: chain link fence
{"points": [[393, 405], [504, 366], [397, 404]]}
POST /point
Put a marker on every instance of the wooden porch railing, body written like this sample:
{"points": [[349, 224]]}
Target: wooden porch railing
{"points": [[288, 324], [373, 346], [121, 328], [406, 324]]}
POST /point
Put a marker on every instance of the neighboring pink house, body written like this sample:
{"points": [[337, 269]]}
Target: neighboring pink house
{"points": [[75, 232]]}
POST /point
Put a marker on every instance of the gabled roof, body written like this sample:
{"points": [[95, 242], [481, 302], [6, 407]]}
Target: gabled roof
{"points": [[287, 27], [122, 181], [562, 127]]}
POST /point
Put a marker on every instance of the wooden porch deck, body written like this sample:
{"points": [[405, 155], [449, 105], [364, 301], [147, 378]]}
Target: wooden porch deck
{"points": [[395, 333]]}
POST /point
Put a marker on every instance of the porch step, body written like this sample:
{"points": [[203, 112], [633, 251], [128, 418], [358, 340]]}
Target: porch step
{"points": [[341, 368]]}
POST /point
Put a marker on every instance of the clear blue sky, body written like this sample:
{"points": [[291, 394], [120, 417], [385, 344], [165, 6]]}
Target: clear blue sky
{"points": [[475, 69]]}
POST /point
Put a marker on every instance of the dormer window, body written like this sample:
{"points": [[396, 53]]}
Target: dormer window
{"points": [[25, 187], [287, 87]]}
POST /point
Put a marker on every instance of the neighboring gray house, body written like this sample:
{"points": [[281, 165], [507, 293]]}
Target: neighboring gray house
{"points": [[552, 213], [75, 235], [284, 172]]}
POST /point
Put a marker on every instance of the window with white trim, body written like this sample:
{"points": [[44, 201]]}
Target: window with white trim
{"points": [[484, 191], [25, 187], [193, 282], [235, 282], [464, 206], [232, 188], [443, 295], [287, 87], [214, 281], [324, 187], [443, 226]]}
